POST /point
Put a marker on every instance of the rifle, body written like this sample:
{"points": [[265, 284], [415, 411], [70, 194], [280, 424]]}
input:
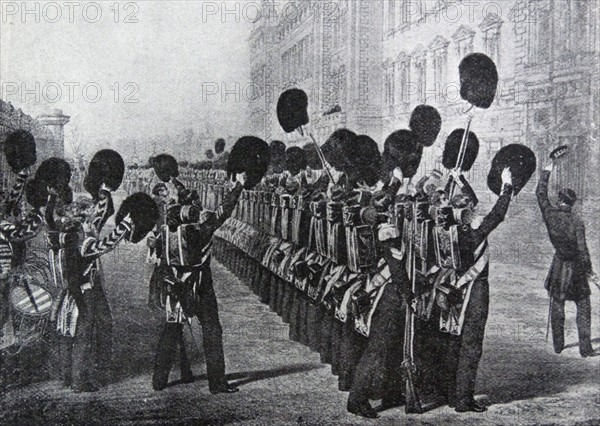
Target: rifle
{"points": [[413, 402]]}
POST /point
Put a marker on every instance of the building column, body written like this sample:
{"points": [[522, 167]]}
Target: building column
{"points": [[55, 121]]}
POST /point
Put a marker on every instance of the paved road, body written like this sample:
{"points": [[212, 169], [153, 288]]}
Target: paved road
{"points": [[283, 382]]}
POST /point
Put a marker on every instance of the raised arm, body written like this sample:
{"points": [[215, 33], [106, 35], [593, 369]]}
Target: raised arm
{"points": [[213, 220], [17, 190], [25, 230], [496, 216], [542, 190], [92, 248], [49, 213], [104, 210], [466, 188]]}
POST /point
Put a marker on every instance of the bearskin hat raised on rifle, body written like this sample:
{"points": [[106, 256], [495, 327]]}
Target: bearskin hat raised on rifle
{"points": [[452, 150], [336, 148], [295, 160], [401, 149], [107, 167], [522, 163], [165, 166], [143, 212], [292, 109], [425, 123], [277, 156], [478, 80], [252, 156], [54, 172], [20, 150]]}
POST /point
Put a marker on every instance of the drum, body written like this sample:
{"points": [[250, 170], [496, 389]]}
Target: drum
{"points": [[31, 302]]}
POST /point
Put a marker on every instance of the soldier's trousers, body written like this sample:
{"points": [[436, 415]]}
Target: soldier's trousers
{"points": [[4, 302], [464, 351], [170, 339], [92, 344], [584, 324], [207, 312], [379, 373]]}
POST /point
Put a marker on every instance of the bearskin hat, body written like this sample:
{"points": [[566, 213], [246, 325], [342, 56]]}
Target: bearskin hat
{"points": [[54, 172], [252, 156], [209, 154], [143, 212], [478, 80], [165, 166], [452, 150], [20, 151], [425, 123], [219, 146], [277, 156], [312, 157], [107, 167], [292, 109], [365, 158], [36, 194], [401, 149], [339, 148], [522, 163], [295, 160]]}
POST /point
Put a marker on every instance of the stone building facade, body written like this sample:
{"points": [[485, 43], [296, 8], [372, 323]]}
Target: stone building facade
{"points": [[547, 54], [332, 50], [379, 59]]}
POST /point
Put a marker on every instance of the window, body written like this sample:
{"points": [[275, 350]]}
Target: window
{"points": [[406, 12], [440, 60], [420, 66], [539, 42], [404, 81], [463, 38], [310, 56], [391, 14], [439, 47], [491, 26], [388, 82], [491, 41]]}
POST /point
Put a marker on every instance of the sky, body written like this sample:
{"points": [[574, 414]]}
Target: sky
{"points": [[125, 70]]}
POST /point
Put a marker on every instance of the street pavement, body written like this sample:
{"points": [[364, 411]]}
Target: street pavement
{"points": [[283, 383]]}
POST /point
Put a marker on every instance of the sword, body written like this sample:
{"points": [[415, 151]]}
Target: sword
{"points": [[413, 402], [193, 338], [548, 322]]}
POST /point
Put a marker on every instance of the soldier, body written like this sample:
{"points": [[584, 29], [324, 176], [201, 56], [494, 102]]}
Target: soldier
{"points": [[378, 373], [465, 350], [571, 266], [187, 243], [82, 309]]}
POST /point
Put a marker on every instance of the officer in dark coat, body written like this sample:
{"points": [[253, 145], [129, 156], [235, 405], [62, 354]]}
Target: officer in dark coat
{"points": [[190, 293], [571, 266], [187, 240]]}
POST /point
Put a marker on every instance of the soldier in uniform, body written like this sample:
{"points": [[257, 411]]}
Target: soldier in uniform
{"points": [[187, 243], [571, 266], [464, 352]]}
